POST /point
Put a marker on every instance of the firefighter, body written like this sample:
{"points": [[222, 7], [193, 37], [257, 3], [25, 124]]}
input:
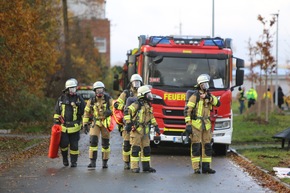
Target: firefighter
{"points": [[100, 107], [135, 82], [198, 125], [139, 119], [68, 113], [241, 98]]}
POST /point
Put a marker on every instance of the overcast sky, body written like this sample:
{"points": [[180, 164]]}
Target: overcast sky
{"points": [[236, 19]]}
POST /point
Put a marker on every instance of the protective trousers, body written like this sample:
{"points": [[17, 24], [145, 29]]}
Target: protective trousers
{"points": [[139, 143], [70, 140], [201, 149], [95, 133], [126, 146]]}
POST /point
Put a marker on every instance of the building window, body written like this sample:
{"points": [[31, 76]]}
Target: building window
{"points": [[101, 44]]}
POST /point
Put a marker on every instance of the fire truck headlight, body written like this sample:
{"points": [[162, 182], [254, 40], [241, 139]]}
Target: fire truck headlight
{"points": [[222, 125]]}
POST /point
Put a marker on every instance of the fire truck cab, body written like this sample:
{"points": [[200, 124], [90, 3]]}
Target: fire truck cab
{"points": [[171, 65]]}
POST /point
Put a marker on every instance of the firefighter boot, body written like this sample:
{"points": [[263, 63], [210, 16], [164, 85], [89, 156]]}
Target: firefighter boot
{"points": [[206, 169], [136, 170], [92, 165], [64, 157], [105, 163], [73, 160], [196, 167], [147, 168], [134, 165], [126, 165], [197, 171]]}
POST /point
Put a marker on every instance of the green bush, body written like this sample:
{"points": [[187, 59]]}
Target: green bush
{"points": [[27, 110]]}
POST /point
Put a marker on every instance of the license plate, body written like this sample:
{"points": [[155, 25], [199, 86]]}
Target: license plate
{"points": [[177, 139]]}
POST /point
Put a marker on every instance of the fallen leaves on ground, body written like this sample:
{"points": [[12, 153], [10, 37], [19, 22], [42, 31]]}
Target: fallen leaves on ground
{"points": [[264, 179], [10, 154]]}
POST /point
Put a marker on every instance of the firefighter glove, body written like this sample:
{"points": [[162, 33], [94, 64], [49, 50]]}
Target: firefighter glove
{"points": [[56, 121], [86, 129], [188, 129], [107, 113], [128, 127], [157, 130], [116, 104], [208, 96]]}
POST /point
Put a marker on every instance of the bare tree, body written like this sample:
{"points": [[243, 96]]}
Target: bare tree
{"points": [[252, 76], [264, 59]]}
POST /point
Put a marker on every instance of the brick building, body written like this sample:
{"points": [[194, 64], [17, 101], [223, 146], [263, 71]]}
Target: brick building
{"points": [[92, 16]]}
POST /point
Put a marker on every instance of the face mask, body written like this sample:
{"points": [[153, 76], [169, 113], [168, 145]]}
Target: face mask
{"points": [[72, 91], [136, 84], [99, 92], [204, 85], [149, 96]]}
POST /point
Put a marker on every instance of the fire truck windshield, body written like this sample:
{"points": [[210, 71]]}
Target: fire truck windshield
{"points": [[183, 72]]}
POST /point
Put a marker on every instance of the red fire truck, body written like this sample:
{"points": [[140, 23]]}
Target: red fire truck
{"points": [[171, 65]]}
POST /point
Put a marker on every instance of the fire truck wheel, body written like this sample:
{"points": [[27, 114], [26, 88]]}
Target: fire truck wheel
{"points": [[220, 149]]}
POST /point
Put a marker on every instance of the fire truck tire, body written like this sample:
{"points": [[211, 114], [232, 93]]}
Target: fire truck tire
{"points": [[220, 149]]}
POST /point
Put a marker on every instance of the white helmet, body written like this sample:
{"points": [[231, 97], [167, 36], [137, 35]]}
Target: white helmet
{"points": [[136, 77], [144, 92], [74, 80], [136, 81], [71, 83], [203, 78], [98, 84], [99, 88]]}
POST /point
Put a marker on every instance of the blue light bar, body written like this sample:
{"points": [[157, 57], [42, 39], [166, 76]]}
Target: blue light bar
{"points": [[160, 40], [214, 42]]}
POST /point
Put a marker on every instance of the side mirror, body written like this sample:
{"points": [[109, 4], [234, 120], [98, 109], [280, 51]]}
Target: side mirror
{"points": [[239, 77], [158, 59], [116, 83], [240, 63]]}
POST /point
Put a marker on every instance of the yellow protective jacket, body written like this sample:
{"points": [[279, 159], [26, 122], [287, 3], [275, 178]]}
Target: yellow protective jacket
{"points": [[121, 101], [97, 108], [140, 113], [252, 94], [197, 111]]}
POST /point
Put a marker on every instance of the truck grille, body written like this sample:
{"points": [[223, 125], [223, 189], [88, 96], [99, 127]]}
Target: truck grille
{"points": [[172, 133], [168, 112], [174, 121]]}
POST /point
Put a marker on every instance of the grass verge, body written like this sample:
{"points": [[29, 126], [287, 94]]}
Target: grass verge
{"points": [[254, 140]]}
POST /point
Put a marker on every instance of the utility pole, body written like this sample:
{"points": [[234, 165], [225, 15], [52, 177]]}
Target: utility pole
{"points": [[67, 67], [276, 84], [212, 33]]}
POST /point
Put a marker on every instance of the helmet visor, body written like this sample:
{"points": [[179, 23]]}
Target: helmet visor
{"points": [[136, 83], [204, 85], [99, 91], [149, 96], [72, 90]]}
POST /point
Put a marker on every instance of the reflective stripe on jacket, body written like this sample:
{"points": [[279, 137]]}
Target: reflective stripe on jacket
{"points": [[202, 111]]}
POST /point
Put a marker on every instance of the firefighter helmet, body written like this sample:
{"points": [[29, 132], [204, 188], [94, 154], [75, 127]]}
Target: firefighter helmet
{"points": [[71, 86], [71, 83], [98, 84], [136, 81], [203, 81], [144, 92], [136, 77], [203, 78], [99, 88]]}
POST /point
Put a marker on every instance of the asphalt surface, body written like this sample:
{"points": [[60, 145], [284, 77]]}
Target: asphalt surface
{"points": [[174, 174]]}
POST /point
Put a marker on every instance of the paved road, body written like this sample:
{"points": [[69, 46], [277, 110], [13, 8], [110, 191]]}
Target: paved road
{"points": [[174, 174]]}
